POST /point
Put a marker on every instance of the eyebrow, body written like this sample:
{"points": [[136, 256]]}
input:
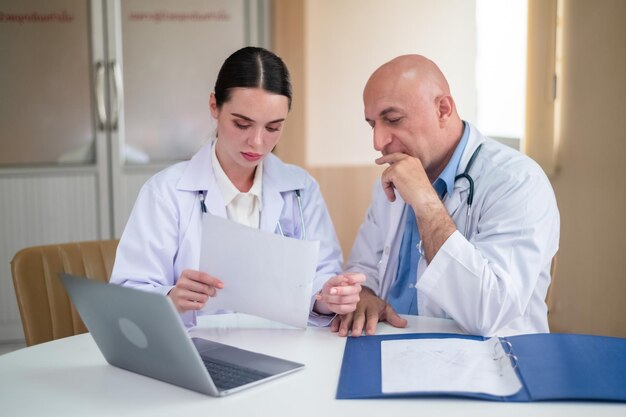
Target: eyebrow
{"points": [[384, 112], [389, 110], [241, 116]]}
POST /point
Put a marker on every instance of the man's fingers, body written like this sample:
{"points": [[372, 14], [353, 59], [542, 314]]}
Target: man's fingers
{"points": [[334, 324], [373, 317], [358, 321], [393, 318], [389, 189], [346, 321], [390, 158]]}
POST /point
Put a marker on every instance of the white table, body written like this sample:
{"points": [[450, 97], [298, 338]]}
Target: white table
{"points": [[69, 377]]}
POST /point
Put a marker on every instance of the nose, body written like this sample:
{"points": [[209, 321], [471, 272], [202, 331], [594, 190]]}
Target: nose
{"points": [[381, 138], [257, 137]]}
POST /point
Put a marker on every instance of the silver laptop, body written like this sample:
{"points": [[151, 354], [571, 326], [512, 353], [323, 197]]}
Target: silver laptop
{"points": [[142, 332]]}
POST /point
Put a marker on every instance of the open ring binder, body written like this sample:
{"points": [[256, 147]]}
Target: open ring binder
{"points": [[507, 354], [549, 367]]}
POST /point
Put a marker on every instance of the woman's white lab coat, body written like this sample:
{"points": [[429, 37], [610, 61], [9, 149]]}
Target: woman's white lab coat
{"points": [[495, 280], [164, 232]]}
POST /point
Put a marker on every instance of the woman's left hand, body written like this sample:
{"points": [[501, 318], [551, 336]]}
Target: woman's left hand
{"points": [[340, 294]]}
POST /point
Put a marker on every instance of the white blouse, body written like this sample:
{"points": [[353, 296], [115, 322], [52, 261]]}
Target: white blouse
{"points": [[243, 208]]}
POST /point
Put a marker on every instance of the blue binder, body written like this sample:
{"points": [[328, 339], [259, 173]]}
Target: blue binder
{"points": [[550, 367]]}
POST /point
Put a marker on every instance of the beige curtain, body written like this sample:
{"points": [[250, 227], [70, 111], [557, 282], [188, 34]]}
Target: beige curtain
{"points": [[541, 131]]}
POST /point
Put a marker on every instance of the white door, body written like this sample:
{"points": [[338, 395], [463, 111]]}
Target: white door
{"points": [[95, 97]]}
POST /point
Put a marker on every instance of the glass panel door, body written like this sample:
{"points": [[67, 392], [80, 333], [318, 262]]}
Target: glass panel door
{"points": [[74, 145], [164, 56], [45, 80], [170, 54]]}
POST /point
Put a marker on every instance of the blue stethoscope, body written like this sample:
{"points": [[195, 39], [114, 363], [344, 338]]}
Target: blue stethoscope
{"points": [[280, 229]]}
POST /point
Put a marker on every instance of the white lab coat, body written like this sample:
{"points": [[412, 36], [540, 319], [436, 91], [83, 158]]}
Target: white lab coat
{"points": [[164, 232], [495, 281]]}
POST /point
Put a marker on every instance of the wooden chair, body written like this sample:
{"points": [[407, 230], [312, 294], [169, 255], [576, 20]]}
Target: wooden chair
{"points": [[45, 308]]}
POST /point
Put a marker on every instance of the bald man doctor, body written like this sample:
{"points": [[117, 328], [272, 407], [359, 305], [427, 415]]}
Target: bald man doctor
{"points": [[421, 247]]}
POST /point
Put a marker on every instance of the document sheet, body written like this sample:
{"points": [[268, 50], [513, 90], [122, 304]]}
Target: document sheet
{"points": [[264, 274], [447, 365]]}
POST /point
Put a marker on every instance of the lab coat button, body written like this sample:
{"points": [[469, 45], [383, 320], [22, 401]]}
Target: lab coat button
{"points": [[386, 250]]}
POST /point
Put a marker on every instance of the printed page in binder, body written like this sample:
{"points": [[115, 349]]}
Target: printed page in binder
{"points": [[448, 365]]}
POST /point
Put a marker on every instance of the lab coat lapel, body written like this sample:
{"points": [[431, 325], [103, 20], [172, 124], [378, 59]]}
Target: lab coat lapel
{"points": [[272, 207], [395, 218], [452, 202], [461, 187], [389, 262], [278, 178], [215, 203], [199, 176]]}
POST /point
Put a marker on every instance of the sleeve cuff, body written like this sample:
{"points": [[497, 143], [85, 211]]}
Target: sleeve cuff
{"points": [[320, 320]]}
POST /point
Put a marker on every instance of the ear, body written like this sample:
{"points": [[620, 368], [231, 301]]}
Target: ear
{"points": [[213, 106], [445, 108]]}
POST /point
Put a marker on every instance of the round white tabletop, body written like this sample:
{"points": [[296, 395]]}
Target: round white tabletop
{"points": [[69, 377]]}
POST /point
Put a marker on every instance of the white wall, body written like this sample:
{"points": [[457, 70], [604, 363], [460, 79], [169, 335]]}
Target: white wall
{"points": [[345, 41]]}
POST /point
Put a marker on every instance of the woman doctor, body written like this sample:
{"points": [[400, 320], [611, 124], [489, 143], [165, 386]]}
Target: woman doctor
{"points": [[233, 176]]}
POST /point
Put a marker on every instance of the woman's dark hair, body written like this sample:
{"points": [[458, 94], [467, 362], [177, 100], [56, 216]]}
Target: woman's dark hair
{"points": [[252, 67]]}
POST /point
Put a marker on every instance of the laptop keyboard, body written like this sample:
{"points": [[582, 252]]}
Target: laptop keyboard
{"points": [[226, 376]]}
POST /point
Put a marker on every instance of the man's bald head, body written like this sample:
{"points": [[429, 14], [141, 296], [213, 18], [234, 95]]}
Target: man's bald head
{"points": [[413, 69], [408, 104], [414, 72]]}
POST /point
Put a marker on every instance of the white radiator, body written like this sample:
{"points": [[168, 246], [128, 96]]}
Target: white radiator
{"points": [[37, 210]]}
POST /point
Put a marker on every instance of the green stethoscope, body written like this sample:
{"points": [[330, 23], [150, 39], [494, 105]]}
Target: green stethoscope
{"points": [[470, 194], [303, 229]]}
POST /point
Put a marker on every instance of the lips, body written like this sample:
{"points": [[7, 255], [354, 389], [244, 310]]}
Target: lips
{"points": [[251, 156]]}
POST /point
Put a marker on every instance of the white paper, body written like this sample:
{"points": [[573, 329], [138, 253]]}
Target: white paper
{"points": [[264, 274], [447, 365]]}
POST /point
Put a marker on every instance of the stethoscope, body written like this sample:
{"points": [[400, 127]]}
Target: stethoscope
{"points": [[302, 228], [280, 229], [470, 194]]}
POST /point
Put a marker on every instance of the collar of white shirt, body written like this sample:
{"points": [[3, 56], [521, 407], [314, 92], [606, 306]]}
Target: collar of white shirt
{"points": [[230, 192]]}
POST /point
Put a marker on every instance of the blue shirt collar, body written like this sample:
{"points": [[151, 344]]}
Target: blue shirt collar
{"points": [[445, 183]]}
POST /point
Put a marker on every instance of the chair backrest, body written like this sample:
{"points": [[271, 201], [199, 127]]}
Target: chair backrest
{"points": [[45, 308]]}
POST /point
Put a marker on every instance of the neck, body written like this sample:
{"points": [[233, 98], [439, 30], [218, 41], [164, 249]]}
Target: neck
{"points": [[242, 180], [451, 141], [241, 177]]}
